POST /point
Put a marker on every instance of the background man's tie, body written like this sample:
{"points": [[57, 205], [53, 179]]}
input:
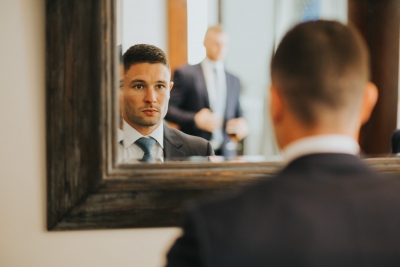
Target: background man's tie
{"points": [[218, 109], [146, 144]]}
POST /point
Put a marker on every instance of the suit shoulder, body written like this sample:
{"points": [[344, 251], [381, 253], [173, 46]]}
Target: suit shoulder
{"points": [[189, 138], [232, 76], [188, 69], [257, 193], [191, 145]]}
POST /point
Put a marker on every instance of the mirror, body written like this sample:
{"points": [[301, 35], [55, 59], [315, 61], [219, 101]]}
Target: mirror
{"points": [[86, 189], [252, 40]]}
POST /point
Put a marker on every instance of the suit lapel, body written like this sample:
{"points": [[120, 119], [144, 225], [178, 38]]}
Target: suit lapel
{"points": [[200, 84], [172, 146], [229, 95]]}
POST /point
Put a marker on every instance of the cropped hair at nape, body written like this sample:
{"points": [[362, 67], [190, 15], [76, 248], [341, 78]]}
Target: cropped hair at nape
{"points": [[320, 65]]}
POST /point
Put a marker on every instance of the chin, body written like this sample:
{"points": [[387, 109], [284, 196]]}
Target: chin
{"points": [[152, 122]]}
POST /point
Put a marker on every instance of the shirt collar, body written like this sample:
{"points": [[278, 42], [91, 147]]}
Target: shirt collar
{"points": [[211, 64], [129, 135], [333, 143]]}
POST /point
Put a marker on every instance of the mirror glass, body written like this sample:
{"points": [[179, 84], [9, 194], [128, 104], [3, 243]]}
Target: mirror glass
{"points": [[253, 29]]}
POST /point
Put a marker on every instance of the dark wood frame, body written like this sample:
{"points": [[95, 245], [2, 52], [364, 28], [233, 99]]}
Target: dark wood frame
{"points": [[378, 21], [85, 188]]}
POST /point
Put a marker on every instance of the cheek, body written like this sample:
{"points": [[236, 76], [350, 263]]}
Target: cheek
{"points": [[121, 101], [164, 95], [132, 100], [163, 100], [130, 95]]}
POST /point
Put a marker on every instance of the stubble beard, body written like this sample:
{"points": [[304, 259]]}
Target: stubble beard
{"points": [[136, 118]]}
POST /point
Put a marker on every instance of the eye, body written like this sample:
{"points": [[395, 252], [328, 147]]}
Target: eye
{"points": [[138, 86], [160, 86]]}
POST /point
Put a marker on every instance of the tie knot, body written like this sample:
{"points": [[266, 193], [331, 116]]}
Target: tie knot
{"points": [[216, 70], [146, 144]]}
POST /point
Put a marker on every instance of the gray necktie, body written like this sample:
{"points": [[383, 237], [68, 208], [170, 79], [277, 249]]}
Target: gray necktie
{"points": [[146, 144], [218, 109], [219, 106]]}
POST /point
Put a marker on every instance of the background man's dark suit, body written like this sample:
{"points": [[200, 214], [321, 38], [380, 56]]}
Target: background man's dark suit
{"points": [[190, 95], [321, 210], [178, 146]]}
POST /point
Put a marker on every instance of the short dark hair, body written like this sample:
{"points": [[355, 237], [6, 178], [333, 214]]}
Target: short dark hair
{"points": [[144, 53], [320, 65]]}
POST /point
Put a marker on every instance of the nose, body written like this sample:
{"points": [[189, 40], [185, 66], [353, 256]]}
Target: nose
{"points": [[150, 96]]}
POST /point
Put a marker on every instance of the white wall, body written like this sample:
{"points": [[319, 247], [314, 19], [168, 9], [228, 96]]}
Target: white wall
{"points": [[250, 25], [200, 16], [144, 22], [23, 238]]}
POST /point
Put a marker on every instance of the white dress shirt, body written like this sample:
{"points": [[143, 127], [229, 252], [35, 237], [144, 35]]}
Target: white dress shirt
{"points": [[333, 143], [217, 104], [129, 152]]}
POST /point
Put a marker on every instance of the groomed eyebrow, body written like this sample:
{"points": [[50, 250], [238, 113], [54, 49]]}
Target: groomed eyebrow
{"points": [[143, 81], [161, 81], [137, 81]]}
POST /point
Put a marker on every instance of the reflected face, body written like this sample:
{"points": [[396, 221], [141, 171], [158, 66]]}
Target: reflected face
{"points": [[121, 92], [216, 44], [146, 92]]}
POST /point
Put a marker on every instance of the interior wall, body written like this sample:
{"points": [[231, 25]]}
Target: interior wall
{"points": [[250, 50], [24, 240], [144, 22]]}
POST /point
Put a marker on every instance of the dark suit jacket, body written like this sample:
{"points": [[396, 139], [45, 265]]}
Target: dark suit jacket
{"points": [[395, 142], [321, 210], [189, 95], [179, 146]]}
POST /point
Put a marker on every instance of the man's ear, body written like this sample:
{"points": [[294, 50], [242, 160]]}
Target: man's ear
{"points": [[276, 104], [171, 85], [369, 101]]}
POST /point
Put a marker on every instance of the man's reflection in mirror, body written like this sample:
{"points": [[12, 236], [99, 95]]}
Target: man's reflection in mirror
{"points": [[145, 93], [205, 99]]}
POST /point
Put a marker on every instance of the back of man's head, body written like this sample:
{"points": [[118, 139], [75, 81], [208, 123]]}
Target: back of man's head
{"points": [[321, 68], [144, 53]]}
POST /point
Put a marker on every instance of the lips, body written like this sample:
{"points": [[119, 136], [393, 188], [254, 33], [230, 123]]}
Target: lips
{"points": [[149, 111]]}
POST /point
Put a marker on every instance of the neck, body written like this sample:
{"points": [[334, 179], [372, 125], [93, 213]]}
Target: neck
{"points": [[289, 136], [212, 60]]}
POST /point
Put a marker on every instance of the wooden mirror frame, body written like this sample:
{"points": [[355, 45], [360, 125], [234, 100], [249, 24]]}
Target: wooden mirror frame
{"points": [[85, 190]]}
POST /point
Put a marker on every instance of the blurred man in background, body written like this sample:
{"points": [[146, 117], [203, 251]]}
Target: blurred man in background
{"points": [[205, 99]]}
